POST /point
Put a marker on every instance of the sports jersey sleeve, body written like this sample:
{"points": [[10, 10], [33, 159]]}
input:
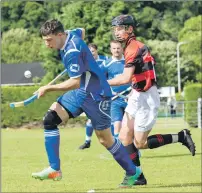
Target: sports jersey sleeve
{"points": [[77, 31], [74, 64], [131, 55], [104, 68], [106, 57]]}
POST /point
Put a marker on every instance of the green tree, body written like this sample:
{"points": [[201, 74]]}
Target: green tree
{"points": [[147, 18], [11, 13], [19, 46], [101, 25], [51, 63], [71, 15], [34, 14], [191, 33], [164, 53], [159, 21], [90, 16], [188, 70]]}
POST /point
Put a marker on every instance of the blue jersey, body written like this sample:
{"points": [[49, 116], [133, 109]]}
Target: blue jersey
{"points": [[79, 62], [112, 68], [101, 59]]}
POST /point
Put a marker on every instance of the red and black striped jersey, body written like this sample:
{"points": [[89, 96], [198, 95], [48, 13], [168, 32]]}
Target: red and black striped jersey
{"points": [[137, 54]]}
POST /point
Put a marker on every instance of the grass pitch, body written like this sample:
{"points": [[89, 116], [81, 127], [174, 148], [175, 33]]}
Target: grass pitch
{"points": [[167, 169]]}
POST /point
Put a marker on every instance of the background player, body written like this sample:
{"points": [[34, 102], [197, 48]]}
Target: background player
{"points": [[113, 67], [98, 58]]}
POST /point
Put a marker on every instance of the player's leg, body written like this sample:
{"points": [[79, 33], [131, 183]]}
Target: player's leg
{"points": [[126, 136], [59, 111], [129, 121], [115, 147], [89, 133], [112, 129], [54, 116], [159, 140], [117, 115], [145, 121], [99, 113], [117, 128]]}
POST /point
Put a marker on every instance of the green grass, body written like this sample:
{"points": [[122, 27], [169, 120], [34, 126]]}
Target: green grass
{"points": [[168, 169]]}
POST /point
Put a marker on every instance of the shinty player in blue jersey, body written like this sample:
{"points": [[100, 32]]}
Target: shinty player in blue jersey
{"points": [[89, 128], [98, 58], [111, 67], [88, 91]]}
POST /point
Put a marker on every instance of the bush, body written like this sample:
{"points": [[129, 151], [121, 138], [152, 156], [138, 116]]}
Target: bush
{"points": [[32, 113], [191, 93], [179, 97], [29, 50]]}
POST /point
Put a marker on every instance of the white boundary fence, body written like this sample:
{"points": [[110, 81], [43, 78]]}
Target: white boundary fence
{"points": [[166, 120], [178, 120]]}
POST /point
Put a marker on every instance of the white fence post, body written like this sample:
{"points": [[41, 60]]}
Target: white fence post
{"points": [[199, 112]]}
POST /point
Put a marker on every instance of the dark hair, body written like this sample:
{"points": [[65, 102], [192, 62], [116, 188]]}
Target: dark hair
{"points": [[92, 46], [52, 26]]}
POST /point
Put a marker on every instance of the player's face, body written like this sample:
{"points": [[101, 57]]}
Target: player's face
{"points": [[120, 33], [53, 41], [116, 50], [94, 52]]}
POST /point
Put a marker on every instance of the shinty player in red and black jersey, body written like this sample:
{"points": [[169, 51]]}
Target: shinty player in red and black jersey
{"points": [[142, 109], [137, 54]]}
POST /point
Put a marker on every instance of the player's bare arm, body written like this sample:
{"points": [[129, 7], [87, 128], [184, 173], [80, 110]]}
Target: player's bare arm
{"points": [[70, 84], [123, 78]]}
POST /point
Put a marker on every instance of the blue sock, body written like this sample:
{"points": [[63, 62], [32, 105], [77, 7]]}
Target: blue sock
{"points": [[116, 135], [112, 129], [121, 155], [89, 132], [52, 143]]}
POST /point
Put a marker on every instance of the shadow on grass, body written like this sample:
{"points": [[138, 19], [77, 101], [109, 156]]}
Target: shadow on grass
{"points": [[169, 155], [154, 186], [174, 185], [107, 156]]}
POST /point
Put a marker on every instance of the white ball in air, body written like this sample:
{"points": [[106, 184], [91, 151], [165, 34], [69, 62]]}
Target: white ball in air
{"points": [[27, 74]]}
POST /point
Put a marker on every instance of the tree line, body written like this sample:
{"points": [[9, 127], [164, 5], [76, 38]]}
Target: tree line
{"points": [[162, 24]]}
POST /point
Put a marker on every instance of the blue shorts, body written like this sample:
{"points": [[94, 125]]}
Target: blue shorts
{"points": [[79, 101], [117, 109]]}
